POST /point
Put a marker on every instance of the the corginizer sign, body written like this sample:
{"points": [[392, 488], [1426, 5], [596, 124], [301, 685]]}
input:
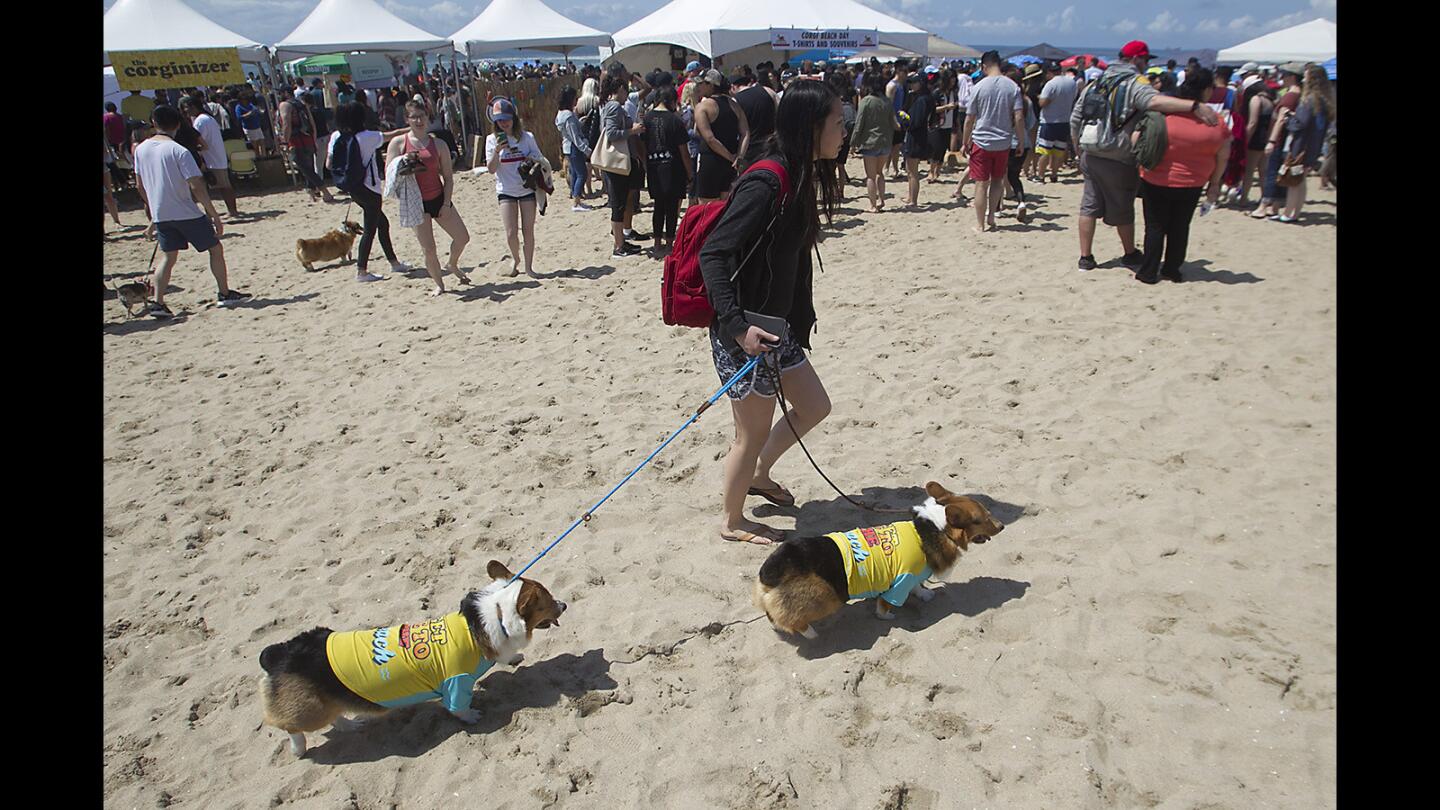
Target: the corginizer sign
{"points": [[152, 70]]}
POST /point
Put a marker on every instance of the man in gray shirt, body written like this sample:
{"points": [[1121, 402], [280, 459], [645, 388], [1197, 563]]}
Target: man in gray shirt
{"points": [[1057, 99], [1111, 178], [995, 114]]}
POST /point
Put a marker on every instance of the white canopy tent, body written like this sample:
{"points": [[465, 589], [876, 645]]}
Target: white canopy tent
{"points": [[340, 26], [1313, 41], [508, 25], [937, 48], [160, 25], [715, 29]]}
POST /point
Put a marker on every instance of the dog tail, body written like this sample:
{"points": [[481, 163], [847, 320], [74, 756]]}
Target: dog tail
{"points": [[779, 564], [308, 645]]}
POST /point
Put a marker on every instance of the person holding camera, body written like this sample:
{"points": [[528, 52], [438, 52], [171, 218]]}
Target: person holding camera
{"points": [[757, 267], [506, 149]]}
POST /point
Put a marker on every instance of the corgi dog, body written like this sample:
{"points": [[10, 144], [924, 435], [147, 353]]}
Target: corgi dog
{"points": [[807, 579], [318, 677], [331, 246]]}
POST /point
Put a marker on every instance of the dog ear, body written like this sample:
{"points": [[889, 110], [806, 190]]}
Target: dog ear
{"points": [[497, 570], [934, 490]]}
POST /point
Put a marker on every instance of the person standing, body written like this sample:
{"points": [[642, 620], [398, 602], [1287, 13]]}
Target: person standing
{"points": [[351, 133], [1022, 147], [577, 148], [1259, 108], [996, 115], [777, 280], [917, 134], [666, 164], [1272, 198], [1194, 159], [724, 138], [114, 124], [875, 126], [437, 189], [618, 127], [252, 122], [947, 103], [1057, 99], [1307, 129], [213, 149], [297, 132], [170, 183], [1111, 177], [505, 150], [758, 102], [137, 107], [895, 91]]}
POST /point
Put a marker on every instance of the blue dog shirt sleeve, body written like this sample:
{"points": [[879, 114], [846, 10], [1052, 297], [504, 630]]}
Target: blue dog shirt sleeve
{"points": [[903, 585]]}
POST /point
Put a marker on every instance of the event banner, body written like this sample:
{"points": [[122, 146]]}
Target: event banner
{"points": [[152, 70], [804, 39]]}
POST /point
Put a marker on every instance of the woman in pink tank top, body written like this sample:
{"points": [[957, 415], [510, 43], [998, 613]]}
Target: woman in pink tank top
{"points": [[437, 189]]}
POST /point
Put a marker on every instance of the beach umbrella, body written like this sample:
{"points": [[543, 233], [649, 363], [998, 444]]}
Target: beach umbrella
{"points": [[1083, 58], [1025, 59], [1329, 66]]}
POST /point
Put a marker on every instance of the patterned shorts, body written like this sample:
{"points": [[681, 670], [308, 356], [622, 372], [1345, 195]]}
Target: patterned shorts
{"points": [[729, 358]]}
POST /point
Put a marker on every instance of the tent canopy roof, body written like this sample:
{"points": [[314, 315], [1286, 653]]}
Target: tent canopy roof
{"points": [[355, 25], [715, 29], [936, 48], [1043, 50], [1313, 41], [159, 25], [506, 25]]}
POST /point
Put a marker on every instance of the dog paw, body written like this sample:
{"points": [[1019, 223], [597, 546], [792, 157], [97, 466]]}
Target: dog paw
{"points": [[467, 716], [883, 611], [924, 594], [297, 744], [514, 660], [809, 632]]}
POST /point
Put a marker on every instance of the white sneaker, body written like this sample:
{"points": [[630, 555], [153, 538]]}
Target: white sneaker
{"points": [[369, 277], [581, 207]]}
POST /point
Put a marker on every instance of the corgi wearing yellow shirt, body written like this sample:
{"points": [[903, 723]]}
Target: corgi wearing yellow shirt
{"points": [[807, 579], [314, 679]]}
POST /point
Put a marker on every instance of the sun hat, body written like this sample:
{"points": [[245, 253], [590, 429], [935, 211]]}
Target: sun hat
{"points": [[693, 66], [1297, 68], [711, 76], [502, 110], [1249, 67], [1135, 48], [1033, 71]]}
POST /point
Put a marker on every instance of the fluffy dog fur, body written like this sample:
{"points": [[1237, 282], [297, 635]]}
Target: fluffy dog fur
{"points": [[803, 580], [329, 247], [301, 692]]}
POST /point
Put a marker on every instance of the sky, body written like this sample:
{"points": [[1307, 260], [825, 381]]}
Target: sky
{"points": [[1093, 23]]}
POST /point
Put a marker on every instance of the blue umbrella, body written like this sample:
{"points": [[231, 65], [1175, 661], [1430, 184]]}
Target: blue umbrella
{"points": [[1330, 68], [1025, 59]]}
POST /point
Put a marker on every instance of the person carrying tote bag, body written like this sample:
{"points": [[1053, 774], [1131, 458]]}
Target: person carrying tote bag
{"points": [[612, 156]]}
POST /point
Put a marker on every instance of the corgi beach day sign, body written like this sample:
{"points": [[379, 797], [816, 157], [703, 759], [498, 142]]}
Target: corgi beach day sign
{"points": [[152, 70], [804, 39]]}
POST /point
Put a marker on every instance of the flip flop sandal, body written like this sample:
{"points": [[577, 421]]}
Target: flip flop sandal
{"points": [[771, 495], [751, 538]]}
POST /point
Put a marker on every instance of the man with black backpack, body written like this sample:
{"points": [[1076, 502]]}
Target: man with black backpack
{"points": [[1101, 125]]}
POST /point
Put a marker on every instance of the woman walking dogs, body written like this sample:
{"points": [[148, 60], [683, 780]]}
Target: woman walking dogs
{"points": [[774, 280]]}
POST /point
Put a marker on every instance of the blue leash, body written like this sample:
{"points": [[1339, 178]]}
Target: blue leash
{"points": [[585, 517]]}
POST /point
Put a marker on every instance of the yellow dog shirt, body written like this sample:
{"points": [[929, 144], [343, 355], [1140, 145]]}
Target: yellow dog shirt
{"points": [[884, 561], [410, 663]]}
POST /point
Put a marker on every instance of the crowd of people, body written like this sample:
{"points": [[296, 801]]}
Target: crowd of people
{"points": [[688, 137]]}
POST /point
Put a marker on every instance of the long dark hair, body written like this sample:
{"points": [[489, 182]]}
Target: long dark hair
{"points": [[803, 109], [1199, 84]]}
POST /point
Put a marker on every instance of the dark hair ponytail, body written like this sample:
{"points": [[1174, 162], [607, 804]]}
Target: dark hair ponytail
{"points": [[803, 109]]}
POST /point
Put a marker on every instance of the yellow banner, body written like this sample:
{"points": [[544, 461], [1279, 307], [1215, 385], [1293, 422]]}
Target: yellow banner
{"points": [[152, 70]]}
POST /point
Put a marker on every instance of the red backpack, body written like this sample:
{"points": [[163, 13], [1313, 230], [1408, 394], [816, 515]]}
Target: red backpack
{"points": [[683, 300]]}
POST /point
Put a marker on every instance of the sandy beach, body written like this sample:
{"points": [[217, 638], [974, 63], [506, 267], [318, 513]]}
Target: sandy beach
{"points": [[1155, 628]]}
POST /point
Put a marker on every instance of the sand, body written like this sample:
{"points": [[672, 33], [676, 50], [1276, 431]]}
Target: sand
{"points": [[1156, 626]]}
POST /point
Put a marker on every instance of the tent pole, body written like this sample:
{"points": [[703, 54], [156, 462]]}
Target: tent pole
{"points": [[275, 115]]}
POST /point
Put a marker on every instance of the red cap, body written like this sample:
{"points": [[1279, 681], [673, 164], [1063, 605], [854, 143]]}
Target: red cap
{"points": [[1135, 48]]}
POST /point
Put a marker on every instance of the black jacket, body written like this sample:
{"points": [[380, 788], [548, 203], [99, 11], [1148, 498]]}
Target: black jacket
{"points": [[777, 279]]}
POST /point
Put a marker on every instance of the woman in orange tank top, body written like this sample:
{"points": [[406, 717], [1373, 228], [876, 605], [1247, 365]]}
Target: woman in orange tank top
{"points": [[437, 189]]}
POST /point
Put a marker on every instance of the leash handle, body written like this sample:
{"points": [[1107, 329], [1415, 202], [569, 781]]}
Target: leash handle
{"points": [[688, 422]]}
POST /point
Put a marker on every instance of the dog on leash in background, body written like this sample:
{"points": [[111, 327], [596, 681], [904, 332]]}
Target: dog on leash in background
{"points": [[133, 295], [318, 677], [331, 246], [807, 579]]}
